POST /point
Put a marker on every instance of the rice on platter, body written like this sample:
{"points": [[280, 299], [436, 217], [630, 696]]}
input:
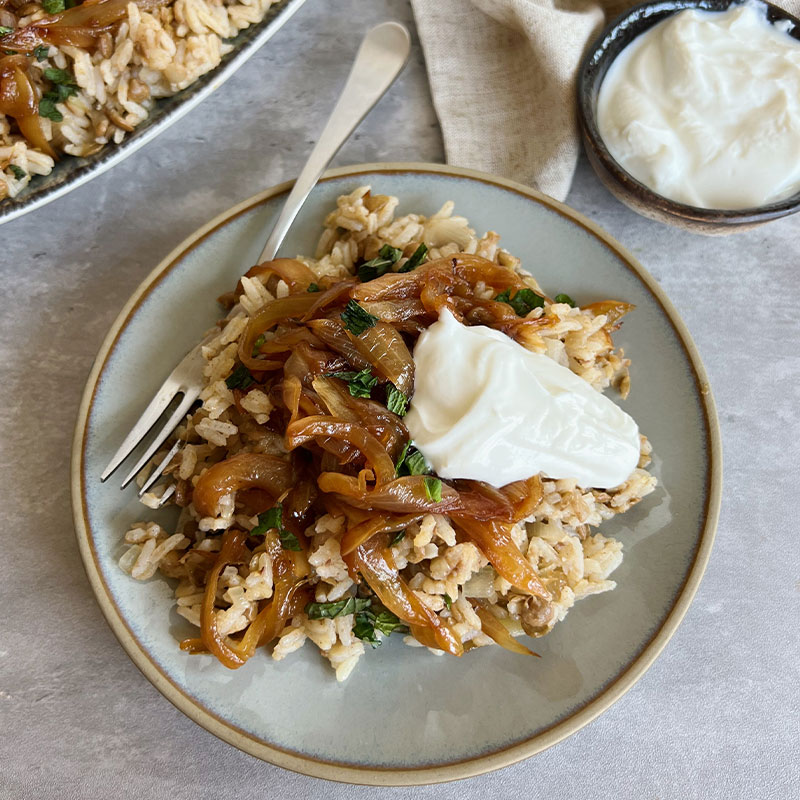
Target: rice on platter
{"points": [[306, 512], [77, 76]]}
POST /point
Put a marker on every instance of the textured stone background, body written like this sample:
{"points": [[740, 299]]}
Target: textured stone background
{"points": [[715, 717]]}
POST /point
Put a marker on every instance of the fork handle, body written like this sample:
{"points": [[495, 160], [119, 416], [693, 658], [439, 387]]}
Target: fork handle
{"points": [[382, 55]]}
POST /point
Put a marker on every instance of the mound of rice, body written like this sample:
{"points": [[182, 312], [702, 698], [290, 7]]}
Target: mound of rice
{"points": [[571, 560], [152, 54]]}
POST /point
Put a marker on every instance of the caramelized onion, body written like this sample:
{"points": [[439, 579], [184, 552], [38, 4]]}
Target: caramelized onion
{"points": [[493, 539], [297, 276], [495, 630], [383, 348], [232, 552], [266, 319], [242, 471], [613, 309], [320, 427], [333, 333], [383, 523], [405, 495], [19, 98], [79, 26], [371, 561]]}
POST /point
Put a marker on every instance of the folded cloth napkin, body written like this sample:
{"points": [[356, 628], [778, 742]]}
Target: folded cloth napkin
{"points": [[503, 77]]}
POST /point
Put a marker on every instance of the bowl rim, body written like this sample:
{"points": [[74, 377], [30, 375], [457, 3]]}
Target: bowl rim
{"points": [[112, 154], [438, 773], [588, 85]]}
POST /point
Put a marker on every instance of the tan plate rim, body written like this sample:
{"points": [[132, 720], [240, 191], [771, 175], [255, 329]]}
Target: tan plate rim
{"points": [[435, 773]]}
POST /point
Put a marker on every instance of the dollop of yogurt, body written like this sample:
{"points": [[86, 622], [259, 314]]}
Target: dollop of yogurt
{"points": [[486, 408], [704, 108]]}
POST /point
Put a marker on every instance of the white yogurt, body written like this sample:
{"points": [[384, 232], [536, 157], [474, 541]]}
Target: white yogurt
{"points": [[704, 108], [486, 408]]}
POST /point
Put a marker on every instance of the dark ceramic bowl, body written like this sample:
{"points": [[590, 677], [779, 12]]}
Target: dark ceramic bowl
{"points": [[620, 33], [71, 172]]}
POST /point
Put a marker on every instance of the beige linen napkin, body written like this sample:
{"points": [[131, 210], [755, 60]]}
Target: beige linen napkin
{"points": [[503, 76]]}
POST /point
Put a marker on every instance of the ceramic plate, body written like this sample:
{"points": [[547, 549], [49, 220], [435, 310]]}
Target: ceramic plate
{"points": [[71, 172], [405, 716]]}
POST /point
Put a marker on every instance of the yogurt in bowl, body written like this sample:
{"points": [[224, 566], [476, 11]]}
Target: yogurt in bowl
{"points": [[690, 112]]}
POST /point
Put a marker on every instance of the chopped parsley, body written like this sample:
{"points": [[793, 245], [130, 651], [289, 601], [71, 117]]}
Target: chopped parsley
{"points": [[448, 601], [433, 489], [340, 608], [564, 298], [59, 75], [40, 53], [411, 462], [417, 258], [359, 383], [53, 6], [47, 108], [387, 257], [523, 302], [312, 287], [240, 378], [396, 401], [397, 538], [357, 319], [367, 622], [64, 87], [17, 172], [273, 520], [4, 30]]}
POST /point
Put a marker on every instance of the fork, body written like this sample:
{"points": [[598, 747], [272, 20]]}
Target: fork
{"points": [[380, 59]]}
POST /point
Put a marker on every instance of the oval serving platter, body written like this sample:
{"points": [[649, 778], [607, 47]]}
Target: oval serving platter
{"points": [[71, 171], [405, 716]]}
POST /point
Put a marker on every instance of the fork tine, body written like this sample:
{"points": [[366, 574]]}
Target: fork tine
{"points": [[167, 494], [154, 410], [159, 470], [188, 399]]}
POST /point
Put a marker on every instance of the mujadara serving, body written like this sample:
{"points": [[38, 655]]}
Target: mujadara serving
{"points": [[306, 512], [77, 76]]}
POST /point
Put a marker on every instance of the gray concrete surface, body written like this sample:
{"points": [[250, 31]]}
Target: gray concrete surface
{"points": [[715, 717]]}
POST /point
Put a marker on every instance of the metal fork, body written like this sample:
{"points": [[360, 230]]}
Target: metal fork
{"points": [[380, 58]]}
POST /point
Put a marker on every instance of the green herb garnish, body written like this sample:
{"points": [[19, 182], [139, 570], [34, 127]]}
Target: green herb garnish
{"points": [[368, 622], [40, 52], [448, 601], [312, 287], [387, 257], [565, 298], [397, 538], [258, 344], [17, 172], [4, 30], [240, 378], [340, 608], [523, 302], [53, 6], [411, 462], [418, 256], [359, 383], [364, 629], [47, 108], [65, 85], [357, 319], [59, 75], [433, 489], [273, 520], [396, 401]]}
